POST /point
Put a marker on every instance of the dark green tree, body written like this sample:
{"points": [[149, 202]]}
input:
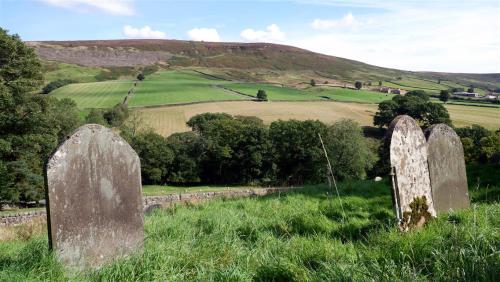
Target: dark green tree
{"points": [[348, 150], [313, 82], [140, 76], [188, 149], [156, 156], [358, 85], [56, 84], [444, 95], [198, 122], [471, 89], [419, 93], [298, 154], [423, 111], [261, 95], [31, 125]]}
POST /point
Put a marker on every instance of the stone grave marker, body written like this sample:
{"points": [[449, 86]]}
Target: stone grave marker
{"points": [[446, 169], [408, 157], [94, 206]]}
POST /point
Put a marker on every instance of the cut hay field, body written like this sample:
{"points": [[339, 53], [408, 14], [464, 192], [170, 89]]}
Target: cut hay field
{"points": [[103, 94], [168, 120]]}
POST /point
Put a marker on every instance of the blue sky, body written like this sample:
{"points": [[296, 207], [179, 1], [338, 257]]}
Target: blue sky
{"points": [[452, 36]]}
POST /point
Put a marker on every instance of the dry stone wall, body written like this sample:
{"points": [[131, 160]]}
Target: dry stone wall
{"points": [[161, 201]]}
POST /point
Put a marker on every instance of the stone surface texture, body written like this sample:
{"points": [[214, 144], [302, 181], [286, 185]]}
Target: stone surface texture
{"points": [[408, 156], [446, 169], [94, 198]]}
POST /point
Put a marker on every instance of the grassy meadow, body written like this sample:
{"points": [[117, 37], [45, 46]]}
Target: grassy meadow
{"points": [[179, 87], [103, 94], [305, 235]]}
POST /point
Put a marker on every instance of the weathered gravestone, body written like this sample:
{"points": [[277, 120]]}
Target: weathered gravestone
{"points": [[408, 156], [94, 191], [446, 168]]}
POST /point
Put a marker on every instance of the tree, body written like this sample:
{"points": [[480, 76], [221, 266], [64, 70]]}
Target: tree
{"points": [[297, 151], [380, 83], [470, 89], [423, 111], [418, 93], [261, 95], [140, 76], [188, 149], [31, 125], [199, 122], [348, 150], [313, 82], [358, 85], [155, 154], [444, 95], [56, 84]]}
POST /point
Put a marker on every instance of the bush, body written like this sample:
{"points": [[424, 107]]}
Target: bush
{"points": [[140, 77], [56, 84], [348, 150], [261, 95], [358, 85]]}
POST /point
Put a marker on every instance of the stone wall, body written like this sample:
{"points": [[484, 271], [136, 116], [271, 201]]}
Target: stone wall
{"points": [[165, 201]]}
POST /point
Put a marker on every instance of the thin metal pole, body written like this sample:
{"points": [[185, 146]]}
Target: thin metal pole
{"points": [[331, 173]]}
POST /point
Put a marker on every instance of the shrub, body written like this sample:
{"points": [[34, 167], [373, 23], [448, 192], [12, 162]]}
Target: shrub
{"points": [[56, 84], [261, 95]]}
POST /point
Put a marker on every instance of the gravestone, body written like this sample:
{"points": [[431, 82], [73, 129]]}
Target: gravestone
{"points": [[408, 157], [446, 169], [94, 198]]}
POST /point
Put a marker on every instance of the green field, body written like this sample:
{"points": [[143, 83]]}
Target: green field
{"points": [[158, 190], [103, 94], [78, 73], [303, 235], [175, 87], [277, 93]]}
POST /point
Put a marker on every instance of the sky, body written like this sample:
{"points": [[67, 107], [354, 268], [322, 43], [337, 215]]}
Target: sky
{"points": [[418, 35]]}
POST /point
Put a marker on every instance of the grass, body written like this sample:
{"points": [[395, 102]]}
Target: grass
{"points": [[57, 71], [463, 115], [299, 236], [103, 94], [274, 93], [158, 190], [349, 95], [174, 87]]}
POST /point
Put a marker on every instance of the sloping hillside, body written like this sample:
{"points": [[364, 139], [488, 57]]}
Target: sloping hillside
{"points": [[242, 56]]}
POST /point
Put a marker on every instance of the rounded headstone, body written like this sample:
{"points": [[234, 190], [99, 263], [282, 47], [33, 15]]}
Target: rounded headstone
{"points": [[446, 168], [408, 156], [94, 198]]}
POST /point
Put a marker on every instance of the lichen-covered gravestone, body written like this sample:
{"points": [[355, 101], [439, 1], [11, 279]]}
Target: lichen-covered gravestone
{"points": [[408, 156], [94, 198], [446, 168]]}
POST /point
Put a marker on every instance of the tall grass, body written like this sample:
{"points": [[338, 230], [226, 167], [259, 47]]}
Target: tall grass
{"points": [[299, 236]]}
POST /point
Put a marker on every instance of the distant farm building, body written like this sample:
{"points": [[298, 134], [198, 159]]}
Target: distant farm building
{"points": [[391, 90], [466, 94], [493, 95]]}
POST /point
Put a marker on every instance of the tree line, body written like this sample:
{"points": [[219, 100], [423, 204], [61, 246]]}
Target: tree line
{"points": [[222, 149]]}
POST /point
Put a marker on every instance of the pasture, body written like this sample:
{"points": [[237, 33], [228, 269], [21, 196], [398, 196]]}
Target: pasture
{"points": [[270, 239], [55, 71], [103, 94], [174, 87]]}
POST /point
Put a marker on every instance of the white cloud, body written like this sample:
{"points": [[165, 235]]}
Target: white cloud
{"points": [[115, 7], [204, 34], [271, 34], [430, 37], [348, 21], [144, 32]]}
